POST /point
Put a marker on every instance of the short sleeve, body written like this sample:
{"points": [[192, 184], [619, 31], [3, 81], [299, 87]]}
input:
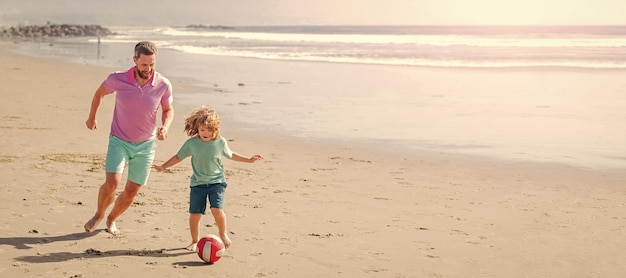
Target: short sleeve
{"points": [[184, 151], [227, 152]]}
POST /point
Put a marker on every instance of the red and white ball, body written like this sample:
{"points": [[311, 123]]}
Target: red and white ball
{"points": [[211, 248]]}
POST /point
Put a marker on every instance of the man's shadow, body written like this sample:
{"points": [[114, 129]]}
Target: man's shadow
{"points": [[93, 253], [24, 242]]}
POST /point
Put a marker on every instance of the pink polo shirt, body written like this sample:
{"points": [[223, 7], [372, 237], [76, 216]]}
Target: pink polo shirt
{"points": [[135, 114]]}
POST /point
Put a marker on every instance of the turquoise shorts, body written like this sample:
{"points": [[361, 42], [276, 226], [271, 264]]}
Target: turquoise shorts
{"points": [[138, 157]]}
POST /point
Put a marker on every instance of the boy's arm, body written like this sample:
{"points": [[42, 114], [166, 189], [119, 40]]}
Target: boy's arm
{"points": [[169, 163], [241, 158]]}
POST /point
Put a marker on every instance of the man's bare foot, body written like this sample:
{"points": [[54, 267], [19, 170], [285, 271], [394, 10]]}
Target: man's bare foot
{"points": [[112, 229], [226, 240], [192, 247], [91, 225]]}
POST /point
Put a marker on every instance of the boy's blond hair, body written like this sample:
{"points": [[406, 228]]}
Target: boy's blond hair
{"points": [[203, 116]]}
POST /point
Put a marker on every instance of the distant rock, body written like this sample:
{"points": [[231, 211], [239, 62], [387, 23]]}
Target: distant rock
{"points": [[53, 30]]}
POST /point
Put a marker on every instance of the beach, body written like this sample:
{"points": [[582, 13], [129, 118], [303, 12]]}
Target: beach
{"points": [[312, 208]]}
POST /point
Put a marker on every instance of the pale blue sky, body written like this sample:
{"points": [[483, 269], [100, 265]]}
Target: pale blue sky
{"points": [[315, 12], [427, 12]]}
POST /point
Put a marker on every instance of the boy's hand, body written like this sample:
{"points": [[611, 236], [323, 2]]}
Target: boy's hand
{"points": [[255, 157], [157, 167]]}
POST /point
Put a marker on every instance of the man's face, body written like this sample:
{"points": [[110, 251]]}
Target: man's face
{"points": [[145, 65]]}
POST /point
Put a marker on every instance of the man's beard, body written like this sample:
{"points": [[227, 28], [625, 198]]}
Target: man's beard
{"points": [[142, 76]]}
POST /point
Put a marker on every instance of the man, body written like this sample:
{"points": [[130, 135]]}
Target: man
{"points": [[139, 92]]}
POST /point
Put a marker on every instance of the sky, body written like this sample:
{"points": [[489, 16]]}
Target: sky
{"points": [[315, 12]]}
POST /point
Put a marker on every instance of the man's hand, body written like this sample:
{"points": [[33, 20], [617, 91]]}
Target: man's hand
{"points": [[162, 133], [91, 124]]}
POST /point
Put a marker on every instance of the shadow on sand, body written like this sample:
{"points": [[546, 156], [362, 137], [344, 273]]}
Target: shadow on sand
{"points": [[26, 242], [93, 253]]}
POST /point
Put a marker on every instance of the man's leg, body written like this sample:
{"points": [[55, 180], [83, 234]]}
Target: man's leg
{"points": [[106, 195], [138, 171], [122, 203]]}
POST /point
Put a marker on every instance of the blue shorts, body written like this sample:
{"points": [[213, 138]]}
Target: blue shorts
{"points": [[199, 193], [138, 157]]}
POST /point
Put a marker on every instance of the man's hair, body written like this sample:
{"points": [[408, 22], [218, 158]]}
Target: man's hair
{"points": [[145, 48]]}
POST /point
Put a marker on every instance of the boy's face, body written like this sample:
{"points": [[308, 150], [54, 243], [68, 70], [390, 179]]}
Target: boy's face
{"points": [[206, 134]]}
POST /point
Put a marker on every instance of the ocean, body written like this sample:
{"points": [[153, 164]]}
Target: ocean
{"points": [[412, 87], [599, 47]]}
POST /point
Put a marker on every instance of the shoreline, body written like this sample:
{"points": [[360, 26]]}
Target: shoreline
{"points": [[332, 209], [545, 115], [185, 87]]}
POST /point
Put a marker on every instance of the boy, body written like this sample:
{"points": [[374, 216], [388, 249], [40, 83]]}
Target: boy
{"points": [[206, 148]]}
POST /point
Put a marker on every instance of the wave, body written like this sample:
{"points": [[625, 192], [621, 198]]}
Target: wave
{"points": [[457, 63], [432, 40]]}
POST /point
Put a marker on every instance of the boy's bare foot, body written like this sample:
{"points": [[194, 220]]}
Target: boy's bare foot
{"points": [[91, 225], [226, 240], [192, 247], [112, 229]]}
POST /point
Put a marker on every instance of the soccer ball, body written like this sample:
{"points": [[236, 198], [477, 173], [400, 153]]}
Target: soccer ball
{"points": [[211, 248]]}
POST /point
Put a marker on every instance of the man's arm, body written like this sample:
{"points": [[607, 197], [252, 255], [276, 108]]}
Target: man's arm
{"points": [[95, 105], [166, 118]]}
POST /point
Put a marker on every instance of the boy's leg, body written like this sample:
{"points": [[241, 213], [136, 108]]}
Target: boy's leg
{"points": [[194, 229], [197, 207], [220, 221]]}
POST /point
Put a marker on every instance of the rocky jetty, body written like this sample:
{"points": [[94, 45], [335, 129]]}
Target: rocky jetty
{"points": [[53, 30]]}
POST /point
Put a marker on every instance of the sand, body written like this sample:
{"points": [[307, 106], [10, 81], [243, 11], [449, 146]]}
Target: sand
{"points": [[310, 209]]}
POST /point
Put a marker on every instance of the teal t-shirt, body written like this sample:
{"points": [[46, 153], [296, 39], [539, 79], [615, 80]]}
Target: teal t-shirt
{"points": [[206, 159]]}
